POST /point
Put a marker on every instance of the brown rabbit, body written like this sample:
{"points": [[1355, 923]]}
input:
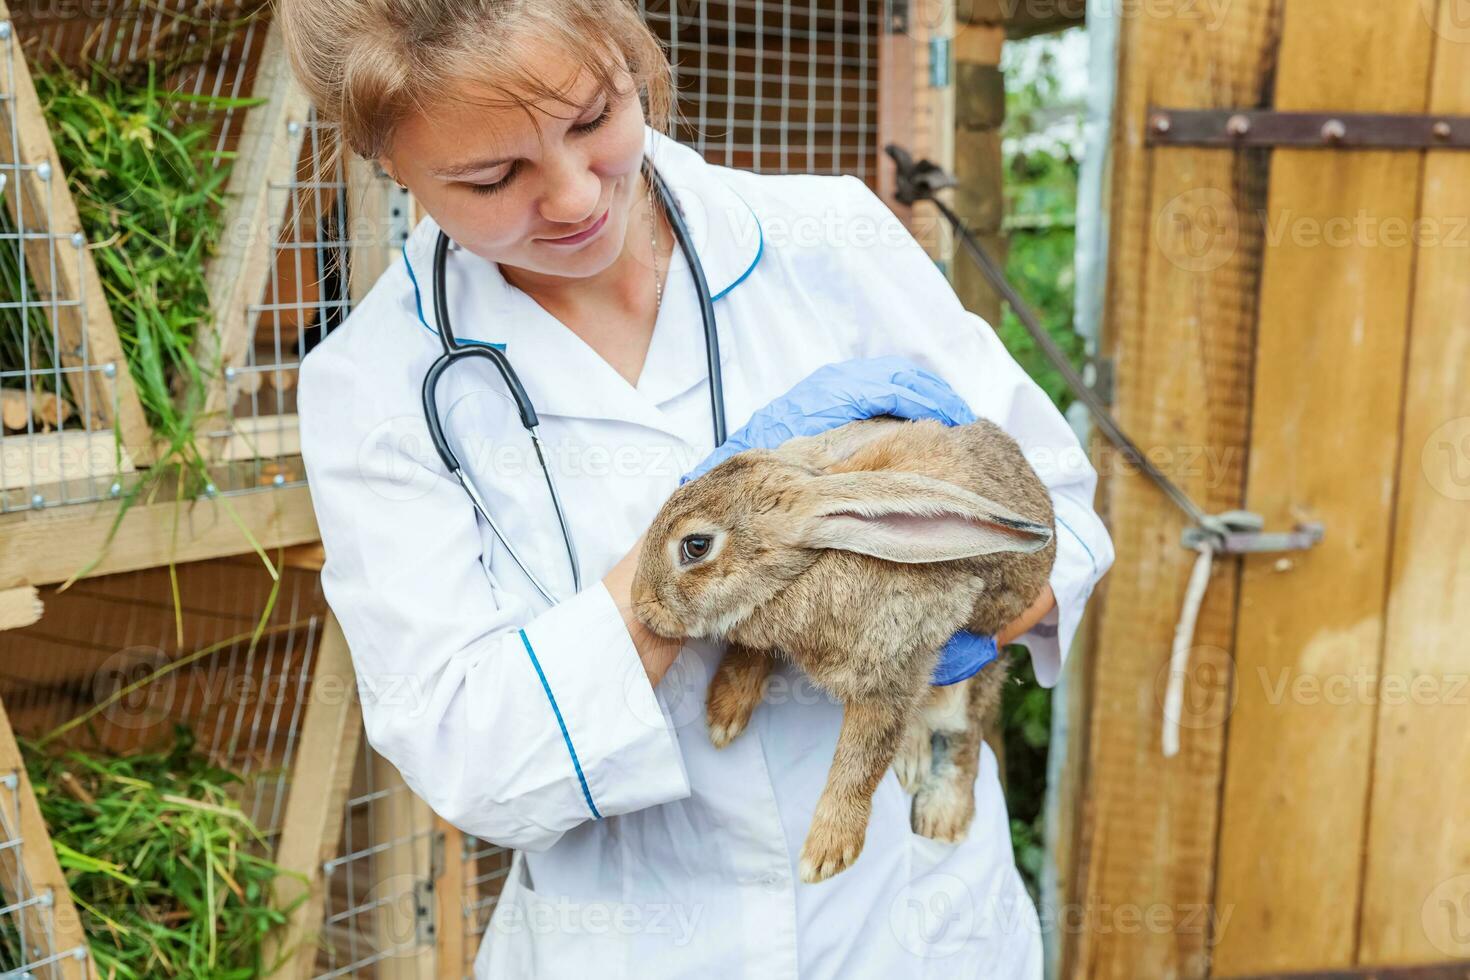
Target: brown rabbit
{"points": [[857, 554]]}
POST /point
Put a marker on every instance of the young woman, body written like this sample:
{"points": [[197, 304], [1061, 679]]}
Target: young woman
{"points": [[557, 725]]}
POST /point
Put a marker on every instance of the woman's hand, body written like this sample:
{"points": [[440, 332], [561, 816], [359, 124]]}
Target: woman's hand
{"points": [[657, 652], [840, 393]]}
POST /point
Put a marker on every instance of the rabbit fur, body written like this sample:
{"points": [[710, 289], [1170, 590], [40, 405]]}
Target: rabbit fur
{"points": [[856, 554]]}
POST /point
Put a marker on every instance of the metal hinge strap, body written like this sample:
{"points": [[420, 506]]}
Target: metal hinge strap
{"points": [[1307, 130]]}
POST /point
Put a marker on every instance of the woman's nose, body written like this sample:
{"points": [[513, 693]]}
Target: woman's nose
{"points": [[572, 191]]}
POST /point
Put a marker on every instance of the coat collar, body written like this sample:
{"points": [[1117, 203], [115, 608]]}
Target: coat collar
{"points": [[564, 376]]}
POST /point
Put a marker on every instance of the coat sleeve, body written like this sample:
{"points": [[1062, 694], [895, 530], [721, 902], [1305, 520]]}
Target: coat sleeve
{"points": [[513, 727], [908, 307]]}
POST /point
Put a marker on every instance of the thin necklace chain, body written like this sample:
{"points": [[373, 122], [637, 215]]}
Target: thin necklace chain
{"points": [[658, 283]]}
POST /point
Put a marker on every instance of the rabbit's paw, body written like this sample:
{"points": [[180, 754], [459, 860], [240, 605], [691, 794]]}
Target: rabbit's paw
{"points": [[914, 758], [734, 692], [943, 809], [831, 846]]}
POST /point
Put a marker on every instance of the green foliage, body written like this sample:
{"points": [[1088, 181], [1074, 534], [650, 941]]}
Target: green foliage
{"points": [[1041, 202], [149, 192], [149, 189], [166, 870]]}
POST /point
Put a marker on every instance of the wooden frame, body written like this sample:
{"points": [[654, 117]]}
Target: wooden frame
{"points": [[31, 868], [269, 149], [65, 272], [330, 737], [1142, 829]]}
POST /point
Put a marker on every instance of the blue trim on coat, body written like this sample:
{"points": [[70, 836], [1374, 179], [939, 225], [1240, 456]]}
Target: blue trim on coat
{"points": [[576, 763], [418, 302], [1083, 543], [760, 250]]}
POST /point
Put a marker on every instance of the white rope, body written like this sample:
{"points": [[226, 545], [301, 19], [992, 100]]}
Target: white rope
{"points": [[1194, 595]]}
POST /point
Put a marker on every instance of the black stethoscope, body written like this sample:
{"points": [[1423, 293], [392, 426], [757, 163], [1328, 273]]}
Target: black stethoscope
{"points": [[454, 352]]}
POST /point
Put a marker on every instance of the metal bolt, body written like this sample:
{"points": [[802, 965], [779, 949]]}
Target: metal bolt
{"points": [[4, 30], [279, 479], [1333, 131], [78, 239], [38, 501], [43, 170], [210, 489], [1442, 130], [1238, 125], [115, 490], [293, 127], [1161, 123], [230, 373], [109, 370]]}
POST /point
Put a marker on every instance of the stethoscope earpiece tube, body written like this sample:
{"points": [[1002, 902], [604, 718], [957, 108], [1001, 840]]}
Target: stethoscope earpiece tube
{"points": [[706, 301], [454, 351]]}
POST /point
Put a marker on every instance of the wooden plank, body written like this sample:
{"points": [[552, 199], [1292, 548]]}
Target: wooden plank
{"points": [[449, 903], [269, 148], [980, 197], [1416, 892], [1178, 322], [404, 823], [20, 606], [331, 730], [1335, 296], [43, 460], [50, 545], [895, 110], [60, 270], [261, 437], [31, 870]]}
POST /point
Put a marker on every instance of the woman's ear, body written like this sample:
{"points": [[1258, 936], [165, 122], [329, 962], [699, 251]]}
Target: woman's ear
{"points": [[910, 518]]}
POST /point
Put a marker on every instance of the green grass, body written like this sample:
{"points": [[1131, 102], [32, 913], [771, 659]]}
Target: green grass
{"points": [[167, 872]]}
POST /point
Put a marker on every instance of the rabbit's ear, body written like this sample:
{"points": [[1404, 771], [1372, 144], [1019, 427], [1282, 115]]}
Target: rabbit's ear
{"points": [[910, 518]]}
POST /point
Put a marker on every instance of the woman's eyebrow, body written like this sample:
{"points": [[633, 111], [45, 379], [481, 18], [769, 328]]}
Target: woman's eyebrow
{"points": [[462, 169]]}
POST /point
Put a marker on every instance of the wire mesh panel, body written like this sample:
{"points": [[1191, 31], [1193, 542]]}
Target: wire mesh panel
{"points": [[302, 297], [379, 921], [108, 651], [776, 87], [62, 382], [33, 944], [485, 867]]}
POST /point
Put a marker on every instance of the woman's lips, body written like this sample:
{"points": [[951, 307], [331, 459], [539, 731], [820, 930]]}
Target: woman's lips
{"points": [[580, 236]]}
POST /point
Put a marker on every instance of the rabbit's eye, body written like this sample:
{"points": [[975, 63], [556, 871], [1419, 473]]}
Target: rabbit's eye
{"points": [[694, 547]]}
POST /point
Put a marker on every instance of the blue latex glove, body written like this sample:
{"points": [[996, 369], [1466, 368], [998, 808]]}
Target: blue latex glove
{"points": [[844, 392]]}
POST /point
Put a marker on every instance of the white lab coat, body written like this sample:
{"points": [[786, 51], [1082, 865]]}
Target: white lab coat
{"points": [[640, 849]]}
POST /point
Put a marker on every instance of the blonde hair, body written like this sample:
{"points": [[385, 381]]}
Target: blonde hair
{"points": [[368, 65]]}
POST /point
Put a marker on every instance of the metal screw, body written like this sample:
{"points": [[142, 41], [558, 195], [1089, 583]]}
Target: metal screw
{"points": [[293, 127], [1161, 123], [43, 170], [4, 30], [1238, 125], [38, 501], [1333, 131], [109, 369], [210, 489], [115, 490], [279, 479], [230, 373], [1442, 130], [78, 239]]}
